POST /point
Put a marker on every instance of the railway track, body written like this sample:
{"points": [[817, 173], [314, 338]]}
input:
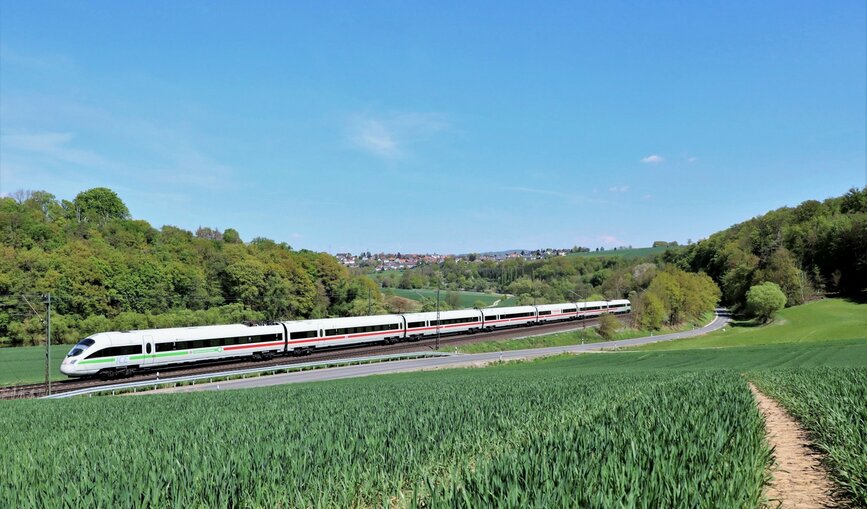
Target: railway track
{"points": [[445, 341]]}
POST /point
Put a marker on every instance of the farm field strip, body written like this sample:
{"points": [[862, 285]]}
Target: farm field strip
{"points": [[533, 434], [831, 403], [466, 299]]}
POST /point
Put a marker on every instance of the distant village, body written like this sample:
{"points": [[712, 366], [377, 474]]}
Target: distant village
{"points": [[398, 261]]}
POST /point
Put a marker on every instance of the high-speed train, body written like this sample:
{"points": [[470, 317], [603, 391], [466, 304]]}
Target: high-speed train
{"points": [[110, 354]]}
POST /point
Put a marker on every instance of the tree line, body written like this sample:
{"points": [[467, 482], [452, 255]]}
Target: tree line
{"points": [[107, 271], [812, 249]]}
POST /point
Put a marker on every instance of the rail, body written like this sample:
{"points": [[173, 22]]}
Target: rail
{"points": [[240, 373]]}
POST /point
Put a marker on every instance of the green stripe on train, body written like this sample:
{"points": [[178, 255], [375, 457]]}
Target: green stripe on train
{"points": [[154, 356]]}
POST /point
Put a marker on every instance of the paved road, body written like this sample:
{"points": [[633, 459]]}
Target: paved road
{"points": [[453, 361]]}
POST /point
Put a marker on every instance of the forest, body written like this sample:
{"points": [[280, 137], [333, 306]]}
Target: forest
{"points": [[815, 248], [107, 271]]}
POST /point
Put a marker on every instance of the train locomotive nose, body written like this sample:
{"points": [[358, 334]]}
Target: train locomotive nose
{"points": [[67, 367]]}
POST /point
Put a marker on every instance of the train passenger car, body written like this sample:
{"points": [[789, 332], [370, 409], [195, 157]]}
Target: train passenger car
{"points": [[509, 317], [592, 309], [419, 325], [305, 335], [556, 312], [115, 353], [619, 307]]}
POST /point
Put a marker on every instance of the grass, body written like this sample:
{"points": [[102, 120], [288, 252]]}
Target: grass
{"points": [[543, 434], [830, 403], [588, 335], [842, 353], [818, 321], [621, 429], [26, 364], [570, 338], [466, 299], [637, 252]]}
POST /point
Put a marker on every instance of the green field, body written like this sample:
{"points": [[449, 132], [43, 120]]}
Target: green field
{"points": [[824, 320], [536, 434], [26, 364], [830, 403], [465, 299], [669, 428], [575, 337], [637, 252], [626, 429]]}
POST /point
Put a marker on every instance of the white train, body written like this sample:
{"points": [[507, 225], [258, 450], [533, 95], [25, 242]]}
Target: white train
{"points": [[110, 354]]}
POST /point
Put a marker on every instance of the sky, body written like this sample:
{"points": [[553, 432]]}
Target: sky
{"points": [[434, 126]]}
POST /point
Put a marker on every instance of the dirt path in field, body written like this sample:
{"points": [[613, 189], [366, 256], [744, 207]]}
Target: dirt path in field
{"points": [[799, 481]]}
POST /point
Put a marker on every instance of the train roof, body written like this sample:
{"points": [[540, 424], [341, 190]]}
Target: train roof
{"points": [[321, 323], [510, 309], [432, 315], [560, 305], [196, 332]]}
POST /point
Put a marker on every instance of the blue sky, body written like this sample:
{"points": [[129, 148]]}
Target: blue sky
{"points": [[422, 127]]}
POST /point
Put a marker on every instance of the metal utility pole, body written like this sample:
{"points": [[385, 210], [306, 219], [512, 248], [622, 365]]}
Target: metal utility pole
{"points": [[533, 284], [48, 345], [438, 316]]}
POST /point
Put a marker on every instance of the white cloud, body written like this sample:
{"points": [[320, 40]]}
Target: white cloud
{"points": [[652, 159], [388, 136], [539, 191], [42, 62], [610, 240], [621, 189], [50, 145], [691, 159], [375, 138]]}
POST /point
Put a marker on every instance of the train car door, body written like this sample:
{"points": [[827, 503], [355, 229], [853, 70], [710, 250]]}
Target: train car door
{"points": [[148, 348]]}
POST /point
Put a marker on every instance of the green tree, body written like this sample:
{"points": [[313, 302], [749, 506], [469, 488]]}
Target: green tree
{"points": [[231, 236], [765, 299], [650, 311], [99, 205], [608, 325]]}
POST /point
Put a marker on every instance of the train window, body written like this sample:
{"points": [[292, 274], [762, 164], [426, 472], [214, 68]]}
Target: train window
{"points": [[80, 347], [415, 324], [130, 350], [303, 334], [541, 313]]}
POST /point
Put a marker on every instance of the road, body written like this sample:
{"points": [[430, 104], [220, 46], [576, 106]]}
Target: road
{"points": [[454, 361]]}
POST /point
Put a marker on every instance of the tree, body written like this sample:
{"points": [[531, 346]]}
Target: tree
{"points": [[765, 299], [651, 312], [231, 236], [99, 205], [608, 325]]}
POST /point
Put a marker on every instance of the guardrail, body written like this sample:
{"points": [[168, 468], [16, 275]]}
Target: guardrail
{"points": [[240, 373]]}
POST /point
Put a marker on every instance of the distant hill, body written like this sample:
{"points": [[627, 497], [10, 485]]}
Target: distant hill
{"points": [[629, 253]]}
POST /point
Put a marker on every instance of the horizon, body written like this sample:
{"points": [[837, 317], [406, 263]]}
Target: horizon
{"points": [[422, 129]]}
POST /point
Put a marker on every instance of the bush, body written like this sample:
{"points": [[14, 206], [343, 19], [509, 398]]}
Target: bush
{"points": [[764, 300], [608, 325]]}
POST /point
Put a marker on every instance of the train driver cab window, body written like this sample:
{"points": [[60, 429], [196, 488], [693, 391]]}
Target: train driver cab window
{"points": [[80, 347]]}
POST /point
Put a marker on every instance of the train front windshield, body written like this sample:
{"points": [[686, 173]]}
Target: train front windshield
{"points": [[82, 345]]}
